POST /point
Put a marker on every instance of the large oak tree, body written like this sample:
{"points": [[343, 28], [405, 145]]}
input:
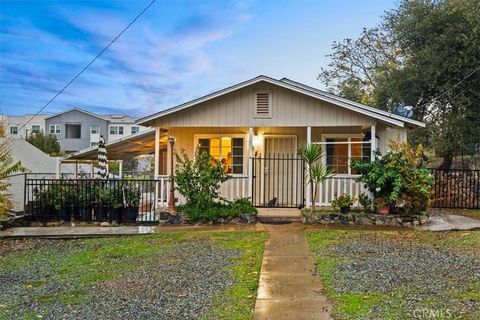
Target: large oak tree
{"points": [[425, 54]]}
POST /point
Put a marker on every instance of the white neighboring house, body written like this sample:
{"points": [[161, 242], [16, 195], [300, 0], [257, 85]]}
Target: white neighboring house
{"points": [[14, 124], [120, 126]]}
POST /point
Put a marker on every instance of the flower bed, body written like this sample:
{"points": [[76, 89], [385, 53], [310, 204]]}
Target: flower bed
{"points": [[362, 218]]}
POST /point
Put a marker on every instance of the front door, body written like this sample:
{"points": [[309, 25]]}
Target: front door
{"points": [[278, 174]]}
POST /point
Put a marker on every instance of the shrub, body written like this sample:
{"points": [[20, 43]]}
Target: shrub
{"points": [[400, 178], [198, 181], [218, 210]]}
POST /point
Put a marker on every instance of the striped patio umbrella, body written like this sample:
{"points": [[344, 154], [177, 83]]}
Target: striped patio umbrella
{"points": [[102, 159]]}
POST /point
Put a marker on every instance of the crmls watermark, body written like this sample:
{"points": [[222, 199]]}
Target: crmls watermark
{"points": [[426, 313]]}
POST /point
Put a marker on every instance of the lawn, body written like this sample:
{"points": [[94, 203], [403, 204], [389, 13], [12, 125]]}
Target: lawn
{"points": [[399, 274], [187, 275]]}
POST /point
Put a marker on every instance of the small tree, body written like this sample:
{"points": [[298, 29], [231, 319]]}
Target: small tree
{"points": [[7, 167], [317, 172], [46, 143], [199, 180]]}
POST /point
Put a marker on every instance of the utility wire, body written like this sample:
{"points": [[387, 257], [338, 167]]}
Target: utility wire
{"points": [[89, 64], [447, 91]]}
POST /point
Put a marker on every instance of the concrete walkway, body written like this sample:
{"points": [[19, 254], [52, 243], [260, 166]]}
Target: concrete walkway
{"points": [[96, 231], [444, 221], [289, 287]]}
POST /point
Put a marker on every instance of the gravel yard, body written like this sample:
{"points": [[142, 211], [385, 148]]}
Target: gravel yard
{"points": [[400, 275], [163, 276]]}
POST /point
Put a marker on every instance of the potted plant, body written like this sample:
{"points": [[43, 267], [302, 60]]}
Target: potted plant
{"points": [[365, 202], [116, 199], [381, 206], [102, 207], [85, 197], [344, 201], [132, 201], [42, 205]]}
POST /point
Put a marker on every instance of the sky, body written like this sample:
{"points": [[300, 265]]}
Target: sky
{"points": [[175, 52]]}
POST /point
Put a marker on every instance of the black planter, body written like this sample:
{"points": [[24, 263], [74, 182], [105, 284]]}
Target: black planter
{"points": [[85, 213], [101, 213], [63, 214], [344, 210], [116, 214], [43, 212], [131, 214]]}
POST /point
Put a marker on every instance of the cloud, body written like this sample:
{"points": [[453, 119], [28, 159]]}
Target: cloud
{"points": [[147, 69]]}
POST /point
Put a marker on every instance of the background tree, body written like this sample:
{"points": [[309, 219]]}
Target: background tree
{"points": [[7, 167], [47, 143], [425, 54]]}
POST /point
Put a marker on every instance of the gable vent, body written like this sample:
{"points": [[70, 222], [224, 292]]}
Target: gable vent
{"points": [[263, 104]]}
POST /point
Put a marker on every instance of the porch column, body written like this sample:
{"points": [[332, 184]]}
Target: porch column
{"points": [[58, 168], [373, 143], [250, 163], [76, 169], [156, 164], [120, 169], [308, 199]]}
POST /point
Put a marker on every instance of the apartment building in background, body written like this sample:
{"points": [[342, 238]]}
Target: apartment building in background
{"points": [[76, 129]]}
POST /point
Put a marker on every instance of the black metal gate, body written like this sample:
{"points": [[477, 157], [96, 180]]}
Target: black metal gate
{"points": [[278, 181], [456, 188]]}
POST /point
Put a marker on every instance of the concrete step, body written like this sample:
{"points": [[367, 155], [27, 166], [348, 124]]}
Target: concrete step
{"points": [[278, 219], [279, 215]]}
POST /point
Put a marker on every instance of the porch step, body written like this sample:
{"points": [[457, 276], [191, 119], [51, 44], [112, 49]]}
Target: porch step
{"points": [[278, 215]]}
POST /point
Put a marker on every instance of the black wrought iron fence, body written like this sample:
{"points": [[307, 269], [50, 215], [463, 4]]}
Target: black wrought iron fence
{"points": [[456, 188], [121, 200]]}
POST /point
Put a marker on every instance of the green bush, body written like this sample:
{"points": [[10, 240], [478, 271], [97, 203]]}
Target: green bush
{"points": [[198, 181], [218, 210], [399, 178]]}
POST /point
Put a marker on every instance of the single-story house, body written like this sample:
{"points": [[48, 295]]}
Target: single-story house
{"points": [[255, 127]]}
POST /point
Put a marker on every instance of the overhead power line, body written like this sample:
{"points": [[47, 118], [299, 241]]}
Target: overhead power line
{"points": [[448, 90], [89, 64]]}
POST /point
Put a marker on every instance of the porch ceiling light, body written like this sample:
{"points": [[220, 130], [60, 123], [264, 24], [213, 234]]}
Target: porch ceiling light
{"points": [[257, 140]]}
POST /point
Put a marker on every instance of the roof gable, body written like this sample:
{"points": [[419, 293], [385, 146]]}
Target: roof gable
{"points": [[78, 110], [294, 86]]}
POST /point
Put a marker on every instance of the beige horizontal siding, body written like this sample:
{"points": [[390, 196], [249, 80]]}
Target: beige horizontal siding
{"points": [[289, 109]]}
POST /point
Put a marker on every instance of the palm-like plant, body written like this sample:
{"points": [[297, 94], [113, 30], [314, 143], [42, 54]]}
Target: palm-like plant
{"points": [[7, 167], [317, 172]]}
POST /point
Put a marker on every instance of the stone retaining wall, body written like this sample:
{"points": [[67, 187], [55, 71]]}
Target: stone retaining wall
{"points": [[362, 218]]}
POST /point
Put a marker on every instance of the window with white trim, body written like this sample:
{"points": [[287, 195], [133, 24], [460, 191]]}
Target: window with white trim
{"points": [[116, 130], [134, 129], [229, 151], [14, 130], [263, 104], [340, 151], [35, 129], [95, 129], [54, 129], [93, 144]]}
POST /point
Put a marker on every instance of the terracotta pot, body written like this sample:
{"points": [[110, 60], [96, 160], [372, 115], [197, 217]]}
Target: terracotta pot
{"points": [[383, 210]]}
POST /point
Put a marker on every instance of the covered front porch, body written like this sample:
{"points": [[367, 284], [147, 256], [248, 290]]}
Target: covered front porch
{"points": [[263, 163]]}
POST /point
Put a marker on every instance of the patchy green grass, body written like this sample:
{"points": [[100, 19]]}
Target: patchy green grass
{"points": [[239, 300], [52, 272], [456, 302]]}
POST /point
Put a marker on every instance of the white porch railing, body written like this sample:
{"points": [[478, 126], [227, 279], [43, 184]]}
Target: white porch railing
{"points": [[234, 188], [335, 186]]}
